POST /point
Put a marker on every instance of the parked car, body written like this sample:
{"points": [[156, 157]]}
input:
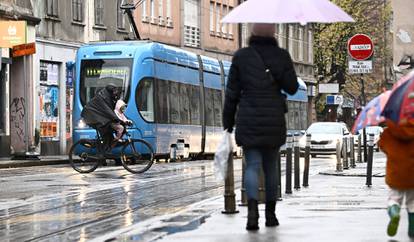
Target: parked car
{"points": [[376, 130], [301, 133], [324, 137]]}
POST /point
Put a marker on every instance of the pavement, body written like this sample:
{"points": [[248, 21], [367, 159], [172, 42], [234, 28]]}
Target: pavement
{"points": [[337, 206]]}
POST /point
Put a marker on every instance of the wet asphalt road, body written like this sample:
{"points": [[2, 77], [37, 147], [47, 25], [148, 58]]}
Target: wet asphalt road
{"points": [[54, 203]]}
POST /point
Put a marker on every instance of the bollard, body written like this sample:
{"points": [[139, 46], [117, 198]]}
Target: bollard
{"points": [[359, 149], [289, 145], [279, 177], [345, 152], [296, 164], [365, 145], [307, 161], [229, 195], [339, 166], [352, 152], [243, 201], [370, 159]]}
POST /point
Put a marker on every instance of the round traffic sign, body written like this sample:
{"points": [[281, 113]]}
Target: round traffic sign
{"points": [[360, 47]]}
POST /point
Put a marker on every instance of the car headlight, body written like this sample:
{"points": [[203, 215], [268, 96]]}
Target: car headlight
{"points": [[302, 141]]}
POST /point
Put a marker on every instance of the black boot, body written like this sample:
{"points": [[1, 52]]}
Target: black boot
{"points": [[271, 219], [252, 215]]}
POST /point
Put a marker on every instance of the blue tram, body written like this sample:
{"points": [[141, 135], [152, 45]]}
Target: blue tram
{"points": [[174, 96]]}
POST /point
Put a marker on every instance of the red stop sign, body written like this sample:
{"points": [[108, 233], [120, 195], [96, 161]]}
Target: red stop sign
{"points": [[360, 47]]}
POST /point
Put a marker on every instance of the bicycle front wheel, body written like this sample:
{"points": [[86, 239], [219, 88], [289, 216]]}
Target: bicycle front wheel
{"points": [[137, 156], [82, 156]]}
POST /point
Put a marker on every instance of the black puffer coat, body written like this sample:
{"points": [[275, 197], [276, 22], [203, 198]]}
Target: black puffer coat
{"points": [[99, 111], [260, 120]]}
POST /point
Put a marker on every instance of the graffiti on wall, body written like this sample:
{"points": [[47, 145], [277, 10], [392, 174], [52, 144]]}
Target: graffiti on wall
{"points": [[17, 114]]}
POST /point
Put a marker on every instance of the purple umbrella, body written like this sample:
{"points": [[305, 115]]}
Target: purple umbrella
{"points": [[287, 11]]}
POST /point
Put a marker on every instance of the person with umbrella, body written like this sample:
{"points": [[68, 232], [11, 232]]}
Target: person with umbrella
{"points": [[257, 76], [397, 142]]}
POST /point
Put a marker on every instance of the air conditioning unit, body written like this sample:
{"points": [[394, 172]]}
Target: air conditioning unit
{"points": [[161, 21], [169, 22]]}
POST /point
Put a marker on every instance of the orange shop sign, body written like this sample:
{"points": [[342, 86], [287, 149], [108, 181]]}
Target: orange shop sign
{"points": [[12, 33], [24, 49]]}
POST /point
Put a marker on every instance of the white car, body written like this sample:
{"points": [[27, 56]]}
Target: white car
{"points": [[324, 137], [376, 130]]}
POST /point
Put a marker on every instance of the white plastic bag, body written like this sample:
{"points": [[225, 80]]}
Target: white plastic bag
{"points": [[221, 156]]}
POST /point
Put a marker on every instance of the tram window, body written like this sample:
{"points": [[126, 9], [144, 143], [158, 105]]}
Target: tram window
{"points": [[174, 103], [96, 74], [195, 105], [290, 116], [184, 103], [162, 102], [217, 107], [145, 99], [209, 107]]}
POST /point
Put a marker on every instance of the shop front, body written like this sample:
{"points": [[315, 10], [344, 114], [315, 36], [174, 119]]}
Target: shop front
{"points": [[54, 95], [4, 103]]}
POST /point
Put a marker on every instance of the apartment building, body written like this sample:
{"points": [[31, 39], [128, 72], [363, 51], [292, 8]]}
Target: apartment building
{"points": [[64, 27], [16, 108], [36, 105], [189, 24], [402, 32]]}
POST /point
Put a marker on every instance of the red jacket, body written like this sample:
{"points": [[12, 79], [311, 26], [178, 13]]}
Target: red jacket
{"points": [[397, 142]]}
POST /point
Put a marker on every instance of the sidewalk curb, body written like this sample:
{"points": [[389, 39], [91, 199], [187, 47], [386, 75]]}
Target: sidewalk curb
{"points": [[28, 163], [328, 173]]}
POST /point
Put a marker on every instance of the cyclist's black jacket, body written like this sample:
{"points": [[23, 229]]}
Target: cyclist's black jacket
{"points": [[99, 111]]}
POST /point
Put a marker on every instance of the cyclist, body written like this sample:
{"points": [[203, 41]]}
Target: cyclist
{"points": [[99, 113]]}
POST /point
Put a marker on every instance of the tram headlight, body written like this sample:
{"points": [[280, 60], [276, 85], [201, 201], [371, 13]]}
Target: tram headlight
{"points": [[81, 124]]}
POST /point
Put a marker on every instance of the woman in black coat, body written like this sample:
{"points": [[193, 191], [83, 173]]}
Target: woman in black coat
{"points": [[257, 75]]}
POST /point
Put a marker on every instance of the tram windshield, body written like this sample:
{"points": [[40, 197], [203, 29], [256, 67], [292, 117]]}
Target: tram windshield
{"points": [[96, 74]]}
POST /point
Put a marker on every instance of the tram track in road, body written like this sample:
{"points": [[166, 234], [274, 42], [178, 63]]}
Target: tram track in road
{"points": [[146, 185], [152, 200], [149, 206]]}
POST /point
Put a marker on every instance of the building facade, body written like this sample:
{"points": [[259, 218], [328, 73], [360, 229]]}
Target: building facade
{"points": [[17, 134], [190, 24], [402, 32], [36, 90], [64, 27]]}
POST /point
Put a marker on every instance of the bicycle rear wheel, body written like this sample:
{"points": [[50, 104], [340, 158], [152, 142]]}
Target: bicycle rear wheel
{"points": [[137, 156], [82, 156]]}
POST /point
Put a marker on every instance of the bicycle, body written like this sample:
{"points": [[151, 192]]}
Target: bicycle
{"points": [[136, 155]]}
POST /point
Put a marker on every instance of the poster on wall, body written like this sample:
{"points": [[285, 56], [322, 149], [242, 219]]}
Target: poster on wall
{"points": [[49, 101]]}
